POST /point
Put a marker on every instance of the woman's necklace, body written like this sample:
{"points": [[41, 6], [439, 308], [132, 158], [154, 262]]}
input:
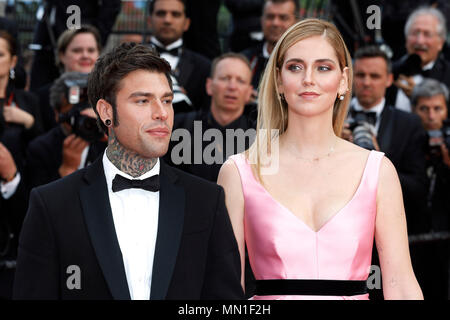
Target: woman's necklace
{"points": [[315, 159]]}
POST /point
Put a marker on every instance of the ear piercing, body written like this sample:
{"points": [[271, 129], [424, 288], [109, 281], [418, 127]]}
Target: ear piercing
{"points": [[107, 122]]}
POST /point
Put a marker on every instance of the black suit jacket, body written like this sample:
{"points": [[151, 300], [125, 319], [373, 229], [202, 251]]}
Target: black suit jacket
{"points": [[70, 222], [257, 62], [192, 71], [403, 139]]}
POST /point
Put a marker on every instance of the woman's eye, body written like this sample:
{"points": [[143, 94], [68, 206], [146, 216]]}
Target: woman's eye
{"points": [[324, 68], [294, 67]]}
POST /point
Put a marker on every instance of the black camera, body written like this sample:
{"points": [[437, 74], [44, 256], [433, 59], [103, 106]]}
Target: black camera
{"points": [[82, 126], [438, 137], [408, 66], [362, 129]]}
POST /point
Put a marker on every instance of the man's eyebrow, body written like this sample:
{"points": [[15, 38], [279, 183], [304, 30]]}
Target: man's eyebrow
{"points": [[149, 94]]}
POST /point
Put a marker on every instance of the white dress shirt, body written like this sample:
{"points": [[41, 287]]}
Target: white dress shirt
{"points": [[173, 60], [378, 109], [402, 101], [135, 215]]}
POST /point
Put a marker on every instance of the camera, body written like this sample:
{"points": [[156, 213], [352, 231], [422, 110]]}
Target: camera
{"points": [[362, 129], [438, 137], [82, 126], [407, 66]]}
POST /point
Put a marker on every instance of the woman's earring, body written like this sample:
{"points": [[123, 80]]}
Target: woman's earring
{"points": [[107, 122], [12, 73], [282, 98], [341, 97]]}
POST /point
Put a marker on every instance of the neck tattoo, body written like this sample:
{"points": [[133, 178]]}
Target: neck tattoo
{"points": [[127, 161]]}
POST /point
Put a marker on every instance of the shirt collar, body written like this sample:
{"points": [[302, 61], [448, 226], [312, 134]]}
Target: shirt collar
{"points": [[377, 108], [111, 171], [171, 46], [265, 52], [429, 66]]}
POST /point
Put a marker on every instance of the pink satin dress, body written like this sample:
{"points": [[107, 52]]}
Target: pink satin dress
{"points": [[281, 246]]}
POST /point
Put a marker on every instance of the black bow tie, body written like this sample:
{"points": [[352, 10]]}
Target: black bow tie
{"points": [[426, 73], [370, 116], [150, 184], [174, 51]]}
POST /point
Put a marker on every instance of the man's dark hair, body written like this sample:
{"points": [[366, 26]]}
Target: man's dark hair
{"points": [[151, 7], [373, 52], [112, 67], [295, 2]]}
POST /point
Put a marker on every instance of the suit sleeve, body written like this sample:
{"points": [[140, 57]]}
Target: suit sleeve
{"points": [[37, 274], [223, 270], [413, 179]]}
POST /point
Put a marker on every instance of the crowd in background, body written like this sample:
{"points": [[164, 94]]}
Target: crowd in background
{"points": [[401, 79]]}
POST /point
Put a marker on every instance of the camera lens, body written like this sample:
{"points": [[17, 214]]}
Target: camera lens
{"points": [[363, 137]]}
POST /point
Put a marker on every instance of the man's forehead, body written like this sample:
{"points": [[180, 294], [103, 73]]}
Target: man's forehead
{"points": [[420, 21], [223, 67], [279, 8], [169, 5]]}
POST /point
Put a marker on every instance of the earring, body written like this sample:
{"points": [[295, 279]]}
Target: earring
{"points": [[107, 122], [12, 73], [342, 97], [282, 98]]}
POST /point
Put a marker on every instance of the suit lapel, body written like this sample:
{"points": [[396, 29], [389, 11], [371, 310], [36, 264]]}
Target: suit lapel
{"points": [[184, 69], [170, 227], [98, 216], [384, 136]]}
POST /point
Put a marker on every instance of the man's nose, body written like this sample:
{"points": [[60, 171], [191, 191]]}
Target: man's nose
{"points": [[160, 111]]}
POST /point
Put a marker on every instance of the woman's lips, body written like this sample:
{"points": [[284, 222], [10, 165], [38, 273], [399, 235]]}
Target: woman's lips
{"points": [[309, 95]]}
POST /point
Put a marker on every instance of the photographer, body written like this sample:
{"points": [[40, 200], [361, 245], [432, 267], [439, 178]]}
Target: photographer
{"points": [[373, 124], [75, 142], [430, 100], [425, 33]]}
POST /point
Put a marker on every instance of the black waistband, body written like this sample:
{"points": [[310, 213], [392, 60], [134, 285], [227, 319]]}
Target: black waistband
{"points": [[310, 287]]}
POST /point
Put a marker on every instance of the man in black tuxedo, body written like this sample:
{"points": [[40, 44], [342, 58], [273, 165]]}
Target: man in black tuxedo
{"points": [[426, 34], [397, 133], [129, 226], [168, 21]]}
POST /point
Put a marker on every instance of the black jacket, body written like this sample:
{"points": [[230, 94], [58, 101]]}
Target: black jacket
{"points": [[403, 139], [69, 222]]}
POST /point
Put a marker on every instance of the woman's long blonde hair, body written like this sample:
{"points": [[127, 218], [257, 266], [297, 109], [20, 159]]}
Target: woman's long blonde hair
{"points": [[272, 111]]}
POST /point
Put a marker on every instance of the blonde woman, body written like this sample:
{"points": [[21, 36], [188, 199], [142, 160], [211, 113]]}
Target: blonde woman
{"points": [[309, 227]]}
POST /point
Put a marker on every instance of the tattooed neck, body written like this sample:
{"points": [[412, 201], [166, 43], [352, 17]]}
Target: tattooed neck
{"points": [[127, 161]]}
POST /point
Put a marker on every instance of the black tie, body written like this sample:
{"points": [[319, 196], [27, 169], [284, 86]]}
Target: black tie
{"points": [[150, 184], [174, 51], [426, 73], [371, 117]]}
